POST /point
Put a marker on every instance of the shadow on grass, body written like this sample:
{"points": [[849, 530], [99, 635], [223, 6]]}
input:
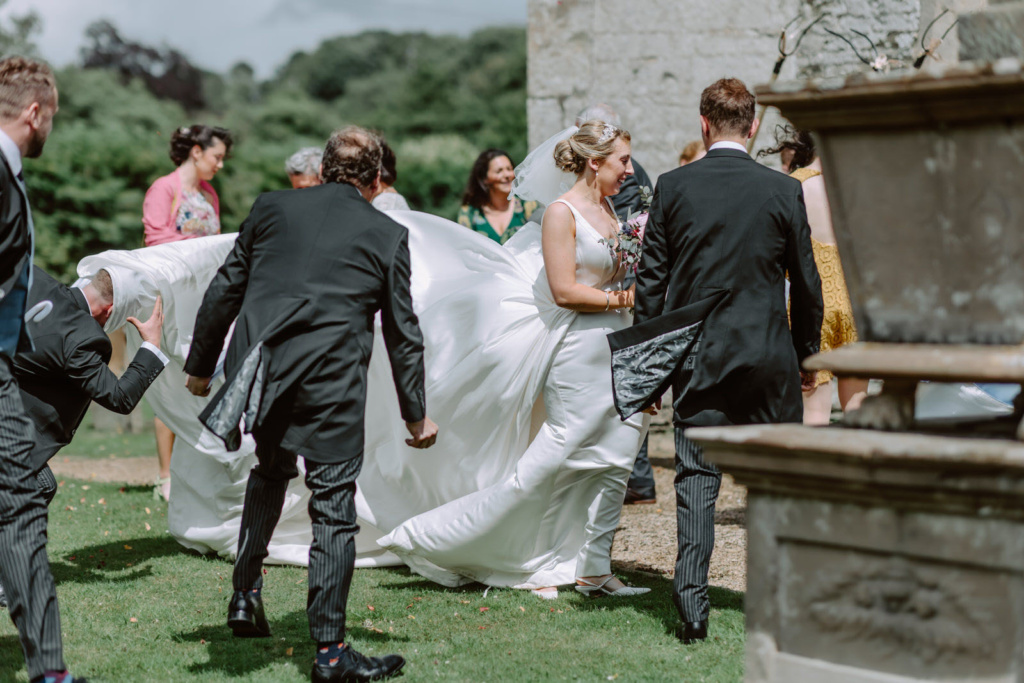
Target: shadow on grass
{"points": [[99, 563], [245, 656], [12, 660], [659, 602]]}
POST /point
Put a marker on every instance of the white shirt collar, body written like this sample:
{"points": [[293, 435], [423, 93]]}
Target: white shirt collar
{"points": [[10, 151], [728, 144]]}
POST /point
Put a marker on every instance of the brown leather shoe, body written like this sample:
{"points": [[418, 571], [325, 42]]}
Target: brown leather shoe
{"points": [[634, 497]]}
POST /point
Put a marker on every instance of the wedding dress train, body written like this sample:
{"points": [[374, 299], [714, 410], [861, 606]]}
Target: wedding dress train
{"points": [[511, 494]]}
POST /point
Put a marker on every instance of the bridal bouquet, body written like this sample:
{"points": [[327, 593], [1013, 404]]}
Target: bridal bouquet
{"points": [[631, 237]]}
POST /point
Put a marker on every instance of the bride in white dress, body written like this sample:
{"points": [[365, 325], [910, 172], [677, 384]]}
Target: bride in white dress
{"points": [[511, 494], [551, 520]]}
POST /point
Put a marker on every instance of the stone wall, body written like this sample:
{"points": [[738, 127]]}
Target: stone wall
{"points": [[650, 59]]}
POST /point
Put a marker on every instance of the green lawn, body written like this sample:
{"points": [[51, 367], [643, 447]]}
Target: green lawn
{"points": [[137, 607], [93, 443]]}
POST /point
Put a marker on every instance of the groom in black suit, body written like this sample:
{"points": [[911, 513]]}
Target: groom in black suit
{"points": [[726, 224], [308, 273]]}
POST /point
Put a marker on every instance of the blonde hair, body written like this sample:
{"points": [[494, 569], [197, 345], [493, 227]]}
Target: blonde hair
{"points": [[594, 140], [22, 82], [691, 151]]}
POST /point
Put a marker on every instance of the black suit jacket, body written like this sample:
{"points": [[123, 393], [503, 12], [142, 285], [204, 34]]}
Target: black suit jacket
{"points": [[306, 277], [68, 369], [627, 201], [15, 243], [727, 224]]}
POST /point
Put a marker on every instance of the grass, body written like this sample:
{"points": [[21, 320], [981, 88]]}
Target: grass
{"points": [[101, 443], [136, 606]]}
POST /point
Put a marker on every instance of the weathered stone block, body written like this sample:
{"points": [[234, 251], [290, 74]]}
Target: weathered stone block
{"points": [[923, 175], [878, 557], [993, 34]]}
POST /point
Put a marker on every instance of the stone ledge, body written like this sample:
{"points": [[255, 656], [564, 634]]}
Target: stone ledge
{"points": [[936, 362], [899, 470]]}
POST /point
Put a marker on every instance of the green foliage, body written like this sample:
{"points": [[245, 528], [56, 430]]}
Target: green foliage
{"points": [[136, 606], [108, 144], [17, 39], [439, 100], [432, 172]]}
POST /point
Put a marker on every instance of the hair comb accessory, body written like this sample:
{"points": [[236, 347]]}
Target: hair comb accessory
{"points": [[607, 134]]}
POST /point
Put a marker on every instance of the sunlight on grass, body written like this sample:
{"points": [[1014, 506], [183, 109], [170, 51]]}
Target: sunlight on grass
{"points": [[136, 606]]}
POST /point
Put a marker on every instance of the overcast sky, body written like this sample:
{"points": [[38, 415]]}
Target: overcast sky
{"points": [[218, 33]]}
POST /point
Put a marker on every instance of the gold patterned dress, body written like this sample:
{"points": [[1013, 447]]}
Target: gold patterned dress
{"points": [[837, 326]]}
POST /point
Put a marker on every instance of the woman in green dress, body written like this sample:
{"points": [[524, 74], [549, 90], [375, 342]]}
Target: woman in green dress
{"points": [[486, 207]]}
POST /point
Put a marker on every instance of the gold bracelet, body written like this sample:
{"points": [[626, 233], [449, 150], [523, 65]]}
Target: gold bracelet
{"points": [[607, 300]]}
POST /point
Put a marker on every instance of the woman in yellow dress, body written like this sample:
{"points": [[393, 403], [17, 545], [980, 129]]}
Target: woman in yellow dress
{"points": [[800, 160]]}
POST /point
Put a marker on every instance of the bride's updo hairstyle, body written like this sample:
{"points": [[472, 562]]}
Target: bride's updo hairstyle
{"points": [[594, 140]]}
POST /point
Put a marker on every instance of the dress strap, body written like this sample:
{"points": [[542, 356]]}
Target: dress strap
{"points": [[803, 174]]}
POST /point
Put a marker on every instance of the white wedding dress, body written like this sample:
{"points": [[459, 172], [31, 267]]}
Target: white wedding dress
{"points": [[510, 495], [512, 514]]}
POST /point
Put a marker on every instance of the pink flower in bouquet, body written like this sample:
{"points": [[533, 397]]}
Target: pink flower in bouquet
{"points": [[638, 224]]}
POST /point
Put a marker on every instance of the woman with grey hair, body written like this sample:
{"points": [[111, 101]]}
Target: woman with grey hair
{"points": [[303, 167]]}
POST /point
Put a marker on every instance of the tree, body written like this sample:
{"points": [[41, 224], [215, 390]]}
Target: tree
{"points": [[438, 99], [17, 39], [167, 73]]}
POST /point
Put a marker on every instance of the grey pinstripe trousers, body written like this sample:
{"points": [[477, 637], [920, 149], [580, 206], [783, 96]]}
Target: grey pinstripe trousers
{"points": [[332, 556], [24, 567], [697, 483]]}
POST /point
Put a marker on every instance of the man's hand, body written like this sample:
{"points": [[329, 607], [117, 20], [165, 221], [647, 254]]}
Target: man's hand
{"points": [[653, 410], [424, 433], [807, 378], [199, 386], [150, 330]]}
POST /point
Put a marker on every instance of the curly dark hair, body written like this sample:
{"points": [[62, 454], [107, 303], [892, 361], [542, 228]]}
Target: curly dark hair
{"points": [[477, 193], [799, 142], [388, 172], [352, 155], [185, 138]]}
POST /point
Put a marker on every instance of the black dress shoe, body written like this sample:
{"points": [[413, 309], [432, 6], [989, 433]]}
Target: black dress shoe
{"points": [[635, 497], [245, 616], [3, 598], [692, 631], [353, 666]]}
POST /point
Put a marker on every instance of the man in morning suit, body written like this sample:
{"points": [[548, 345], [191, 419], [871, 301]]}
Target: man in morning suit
{"points": [[28, 103], [726, 224], [67, 369], [308, 273]]}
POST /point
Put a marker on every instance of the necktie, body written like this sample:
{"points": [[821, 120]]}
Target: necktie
{"points": [[31, 227]]}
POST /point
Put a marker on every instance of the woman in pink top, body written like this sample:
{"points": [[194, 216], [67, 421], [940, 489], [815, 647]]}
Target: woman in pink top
{"points": [[180, 206], [183, 204]]}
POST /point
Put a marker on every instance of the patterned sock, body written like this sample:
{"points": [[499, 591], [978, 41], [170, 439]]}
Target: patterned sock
{"points": [[328, 654], [57, 677]]}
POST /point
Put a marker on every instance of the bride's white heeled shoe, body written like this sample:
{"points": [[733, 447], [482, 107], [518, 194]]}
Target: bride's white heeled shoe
{"points": [[596, 589], [549, 594]]}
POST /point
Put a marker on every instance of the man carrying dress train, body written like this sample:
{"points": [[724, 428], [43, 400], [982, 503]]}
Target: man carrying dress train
{"points": [[726, 224], [307, 275]]}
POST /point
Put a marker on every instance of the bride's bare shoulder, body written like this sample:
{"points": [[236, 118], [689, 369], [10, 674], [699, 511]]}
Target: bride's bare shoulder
{"points": [[558, 216]]}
